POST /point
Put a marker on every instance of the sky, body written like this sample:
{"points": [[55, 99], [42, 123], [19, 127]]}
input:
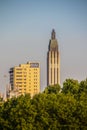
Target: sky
{"points": [[25, 31]]}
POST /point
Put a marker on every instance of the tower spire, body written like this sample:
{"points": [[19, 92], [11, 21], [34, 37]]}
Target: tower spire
{"points": [[53, 34]]}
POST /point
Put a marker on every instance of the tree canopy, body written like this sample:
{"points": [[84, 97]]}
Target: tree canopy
{"points": [[55, 108]]}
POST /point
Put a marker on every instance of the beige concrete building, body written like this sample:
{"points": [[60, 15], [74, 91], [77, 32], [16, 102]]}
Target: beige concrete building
{"points": [[26, 78], [53, 61]]}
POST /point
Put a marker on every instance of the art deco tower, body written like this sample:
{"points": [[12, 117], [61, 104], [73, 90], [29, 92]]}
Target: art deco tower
{"points": [[53, 61]]}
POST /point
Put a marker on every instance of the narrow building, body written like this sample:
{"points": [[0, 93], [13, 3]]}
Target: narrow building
{"points": [[53, 61], [26, 78]]}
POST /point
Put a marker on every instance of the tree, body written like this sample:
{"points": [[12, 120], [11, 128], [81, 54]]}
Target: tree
{"points": [[83, 86], [18, 113], [52, 89], [50, 110], [70, 86]]}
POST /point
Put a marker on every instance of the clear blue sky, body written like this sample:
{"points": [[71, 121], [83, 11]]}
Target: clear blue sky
{"points": [[25, 30]]}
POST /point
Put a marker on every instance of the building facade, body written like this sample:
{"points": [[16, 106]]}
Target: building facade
{"points": [[53, 61], [26, 78], [10, 93]]}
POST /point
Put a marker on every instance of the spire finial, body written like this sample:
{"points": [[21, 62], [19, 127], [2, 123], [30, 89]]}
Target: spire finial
{"points": [[53, 34]]}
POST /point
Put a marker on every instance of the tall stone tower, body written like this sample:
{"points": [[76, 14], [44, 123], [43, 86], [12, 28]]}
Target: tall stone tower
{"points": [[53, 61]]}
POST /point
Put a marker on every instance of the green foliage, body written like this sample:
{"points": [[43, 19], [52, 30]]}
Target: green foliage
{"points": [[52, 89], [54, 109], [1, 101], [18, 113], [83, 86], [70, 86]]}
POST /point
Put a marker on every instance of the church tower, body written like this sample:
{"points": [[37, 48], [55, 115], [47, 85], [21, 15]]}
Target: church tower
{"points": [[53, 61]]}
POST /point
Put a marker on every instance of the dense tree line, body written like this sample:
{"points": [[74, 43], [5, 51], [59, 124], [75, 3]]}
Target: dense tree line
{"points": [[55, 108]]}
